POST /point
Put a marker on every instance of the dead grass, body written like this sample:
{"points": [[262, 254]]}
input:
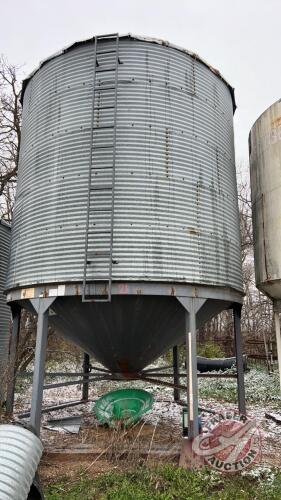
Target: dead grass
{"points": [[99, 449]]}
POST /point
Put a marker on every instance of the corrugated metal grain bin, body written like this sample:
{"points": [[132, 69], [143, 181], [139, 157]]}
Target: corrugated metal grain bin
{"points": [[265, 164], [5, 235], [126, 175], [175, 216]]}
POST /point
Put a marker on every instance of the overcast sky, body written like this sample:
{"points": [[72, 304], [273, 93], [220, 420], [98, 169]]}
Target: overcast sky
{"points": [[241, 38]]}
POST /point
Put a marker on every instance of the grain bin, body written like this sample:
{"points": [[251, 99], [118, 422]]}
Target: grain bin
{"points": [[5, 235], [265, 164], [265, 168], [126, 206]]}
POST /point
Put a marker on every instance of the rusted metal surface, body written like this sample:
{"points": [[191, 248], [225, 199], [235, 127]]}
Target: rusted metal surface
{"points": [[175, 201], [228, 295], [176, 224], [158, 41], [5, 313], [265, 168], [136, 328]]}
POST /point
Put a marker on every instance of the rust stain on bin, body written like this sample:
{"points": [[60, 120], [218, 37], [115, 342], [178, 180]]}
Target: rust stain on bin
{"points": [[175, 211], [173, 134], [265, 161]]}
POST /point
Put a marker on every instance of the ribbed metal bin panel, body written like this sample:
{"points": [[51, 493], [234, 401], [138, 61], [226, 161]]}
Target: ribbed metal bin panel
{"points": [[265, 168], [176, 215], [20, 453], [5, 236]]}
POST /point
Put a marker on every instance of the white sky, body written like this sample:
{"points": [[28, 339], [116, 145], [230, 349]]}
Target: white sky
{"points": [[241, 38]]}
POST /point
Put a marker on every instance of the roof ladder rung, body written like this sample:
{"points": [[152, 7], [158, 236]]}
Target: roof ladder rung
{"points": [[110, 35], [106, 52], [103, 187], [100, 232], [99, 89], [100, 213], [100, 209], [103, 147], [104, 107], [105, 70], [103, 126], [95, 167], [99, 252]]}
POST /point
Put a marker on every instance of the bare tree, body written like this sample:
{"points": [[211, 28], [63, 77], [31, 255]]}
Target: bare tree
{"points": [[10, 135], [245, 214], [257, 308]]}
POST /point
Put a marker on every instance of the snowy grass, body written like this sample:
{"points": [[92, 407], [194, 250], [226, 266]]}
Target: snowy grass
{"points": [[260, 388]]}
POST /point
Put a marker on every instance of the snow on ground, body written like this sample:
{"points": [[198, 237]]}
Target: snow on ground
{"points": [[165, 411]]}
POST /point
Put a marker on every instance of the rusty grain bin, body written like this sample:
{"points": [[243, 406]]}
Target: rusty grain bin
{"points": [[265, 164], [127, 192]]}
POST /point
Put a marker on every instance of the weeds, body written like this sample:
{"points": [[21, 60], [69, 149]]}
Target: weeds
{"points": [[168, 482], [210, 350], [260, 388]]}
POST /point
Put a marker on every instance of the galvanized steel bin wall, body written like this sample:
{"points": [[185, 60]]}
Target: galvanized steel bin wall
{"points": [[265, 165], [176, 215], [5, 236]]}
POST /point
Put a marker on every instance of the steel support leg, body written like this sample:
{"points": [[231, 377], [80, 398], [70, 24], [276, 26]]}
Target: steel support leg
{"points": [[239, 359], [278, 341], [192, 305], [16, 315], [42, 308], [191, 365], [176, 372], [86, 371]]}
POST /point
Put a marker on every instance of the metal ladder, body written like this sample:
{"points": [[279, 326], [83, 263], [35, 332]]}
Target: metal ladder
{"points": [[101, 180]]}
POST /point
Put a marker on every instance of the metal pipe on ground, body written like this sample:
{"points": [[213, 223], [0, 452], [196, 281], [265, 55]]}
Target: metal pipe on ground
{"points": [[20, 453], [53, 408]]}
